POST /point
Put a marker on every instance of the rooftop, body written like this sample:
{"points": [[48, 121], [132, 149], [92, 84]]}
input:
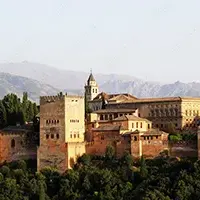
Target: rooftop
{"points": [[91, 78], [131, 118], [112, 97], [108, 128], [115, 110]]}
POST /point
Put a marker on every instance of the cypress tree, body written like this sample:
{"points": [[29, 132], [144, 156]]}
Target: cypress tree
{"points": [[3, 115]]}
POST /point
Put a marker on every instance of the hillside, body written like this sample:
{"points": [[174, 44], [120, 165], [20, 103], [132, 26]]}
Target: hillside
{"points": [[47, 79], [17, 84]]}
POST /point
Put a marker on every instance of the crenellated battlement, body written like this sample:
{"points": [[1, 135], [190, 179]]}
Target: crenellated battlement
{"points": [[48, 99]]}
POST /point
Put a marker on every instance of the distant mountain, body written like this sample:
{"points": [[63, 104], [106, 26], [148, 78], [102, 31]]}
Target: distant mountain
{"points": [[58, 78], [18, 85], [148, 89], [50, 80]]}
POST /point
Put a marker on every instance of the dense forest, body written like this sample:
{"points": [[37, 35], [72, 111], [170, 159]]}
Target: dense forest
{"points": [[104, 178], [14, 110]]}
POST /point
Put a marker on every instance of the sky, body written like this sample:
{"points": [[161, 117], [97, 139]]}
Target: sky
{"points": [[157, 40]]}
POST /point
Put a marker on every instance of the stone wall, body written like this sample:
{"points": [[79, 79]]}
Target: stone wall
{"points": [[52, 150], [100, 140], [13, 147]]}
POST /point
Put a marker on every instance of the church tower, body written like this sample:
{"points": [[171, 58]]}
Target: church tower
{"points": [[91, 88]]}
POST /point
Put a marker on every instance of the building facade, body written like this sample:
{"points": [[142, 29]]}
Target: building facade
{"points": [[62, 129], [181, 112], [127, 133]]}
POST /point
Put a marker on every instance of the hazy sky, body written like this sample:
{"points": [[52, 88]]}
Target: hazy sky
{"points": [[149, 39]]}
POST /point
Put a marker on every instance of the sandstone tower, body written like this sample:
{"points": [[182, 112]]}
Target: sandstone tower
{"points": [[61, 131], [91, 88]]}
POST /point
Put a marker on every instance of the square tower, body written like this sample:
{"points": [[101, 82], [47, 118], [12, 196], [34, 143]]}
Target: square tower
{"points": [[62, 131]]}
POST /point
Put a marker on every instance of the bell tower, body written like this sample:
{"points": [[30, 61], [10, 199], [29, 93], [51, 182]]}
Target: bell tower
{"points": [[91, 88]]}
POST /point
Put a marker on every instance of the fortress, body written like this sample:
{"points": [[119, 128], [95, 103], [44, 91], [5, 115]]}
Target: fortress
{"points": [[127, 123]]}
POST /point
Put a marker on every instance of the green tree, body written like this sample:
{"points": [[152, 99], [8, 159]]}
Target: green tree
{"points": [[30, 111], [35, 109], [25, 104], [3, 115], [143, 168], [110, 152]]}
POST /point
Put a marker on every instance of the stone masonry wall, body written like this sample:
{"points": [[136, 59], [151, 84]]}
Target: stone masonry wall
{"points": [[13, 147]]}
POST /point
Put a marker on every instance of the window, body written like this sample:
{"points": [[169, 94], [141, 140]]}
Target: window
{"points": [[47, 136], [52, 136], [135, 138], [96, 90], [57, 136], [148, 126], [57, 121], [102, 137], [74, 135], [70, 135], [141, 125], [132, 125], [78, 136], [115, 115], [156, 137], [13, 143], [136, 124]]}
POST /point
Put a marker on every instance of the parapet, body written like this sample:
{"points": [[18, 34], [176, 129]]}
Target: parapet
{"points": [[48, 99], [74, 96]]}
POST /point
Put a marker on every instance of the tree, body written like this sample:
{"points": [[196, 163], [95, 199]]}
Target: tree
{"points": [[35, 109], [25, 104], [3, 115], [30, 111], [85, 159], [110, 152], [143, 168]]}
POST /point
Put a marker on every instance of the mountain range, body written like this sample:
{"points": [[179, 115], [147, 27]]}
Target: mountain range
{"points": [[39, 79]]}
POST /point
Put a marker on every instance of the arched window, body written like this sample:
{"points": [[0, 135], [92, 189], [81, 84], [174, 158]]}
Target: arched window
{"points": [[101, 117], [13, 143], [57, 136]]}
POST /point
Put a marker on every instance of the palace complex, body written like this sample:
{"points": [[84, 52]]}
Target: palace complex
{"points": [[127, 123], [182, 112]]}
